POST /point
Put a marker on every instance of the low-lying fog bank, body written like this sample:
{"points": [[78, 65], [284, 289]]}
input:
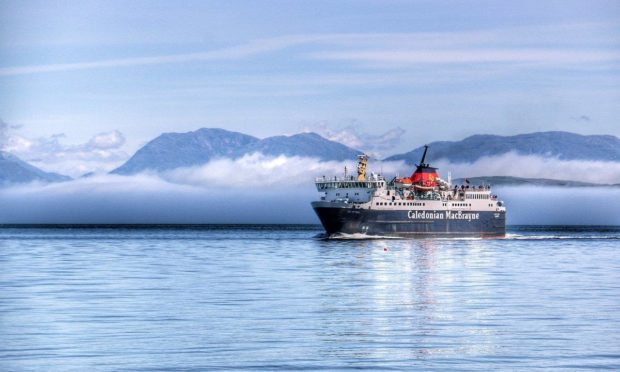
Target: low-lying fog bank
{"points": [[259, 189], [149, 199]]}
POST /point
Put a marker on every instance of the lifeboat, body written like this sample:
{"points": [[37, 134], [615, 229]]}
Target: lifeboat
{"points": [[403, 182], [423, 188]]}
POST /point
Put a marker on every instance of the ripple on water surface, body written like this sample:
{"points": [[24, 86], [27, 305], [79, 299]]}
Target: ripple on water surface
{"points": [[278, 297]]}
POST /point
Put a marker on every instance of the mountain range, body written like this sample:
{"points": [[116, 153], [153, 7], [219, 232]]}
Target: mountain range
{"points": [[174, 150], [13, 170], [561, 145]]}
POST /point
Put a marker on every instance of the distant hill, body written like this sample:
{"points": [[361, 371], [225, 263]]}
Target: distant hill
{"points": [[563, 145], [518, 181], [302, 144], [173, 150], [14, 170]]}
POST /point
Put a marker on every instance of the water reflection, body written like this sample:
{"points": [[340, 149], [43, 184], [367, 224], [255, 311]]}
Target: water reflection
{"points": [[278, 299], [405, 298]]}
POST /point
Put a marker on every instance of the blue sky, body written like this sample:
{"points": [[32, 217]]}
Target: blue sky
{"points": [[79, 78]]}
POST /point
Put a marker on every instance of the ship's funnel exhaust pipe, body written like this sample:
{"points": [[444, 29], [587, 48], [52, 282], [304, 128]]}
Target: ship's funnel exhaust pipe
{"points": [[424, 156]]}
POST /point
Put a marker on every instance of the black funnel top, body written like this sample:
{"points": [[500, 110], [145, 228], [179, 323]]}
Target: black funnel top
{"points": [[422, 164]]}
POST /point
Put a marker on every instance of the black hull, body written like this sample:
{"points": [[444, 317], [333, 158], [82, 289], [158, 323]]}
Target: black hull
{"points": [[404, 223]]}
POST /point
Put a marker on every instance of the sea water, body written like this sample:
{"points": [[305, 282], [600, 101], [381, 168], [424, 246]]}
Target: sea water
{"points": [[283, 297]]}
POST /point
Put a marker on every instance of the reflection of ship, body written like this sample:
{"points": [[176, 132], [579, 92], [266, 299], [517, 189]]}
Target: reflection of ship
{"points": [[420, 205]]}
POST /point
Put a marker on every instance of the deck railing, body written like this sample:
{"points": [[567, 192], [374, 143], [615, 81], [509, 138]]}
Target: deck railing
{"points": [[347, 179], [348, 183]]}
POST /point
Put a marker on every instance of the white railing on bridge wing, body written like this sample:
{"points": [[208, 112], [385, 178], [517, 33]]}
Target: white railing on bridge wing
{"points": [[334, 183], [347, 179]]}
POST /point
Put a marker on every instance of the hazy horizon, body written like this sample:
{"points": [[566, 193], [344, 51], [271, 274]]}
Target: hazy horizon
{"points": [[262, 189]]}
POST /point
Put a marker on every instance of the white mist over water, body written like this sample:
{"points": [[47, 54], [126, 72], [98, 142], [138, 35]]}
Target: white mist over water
{"points": [[260, 189], [148, 199], [260, 171], [530, 166], [529, 205]]}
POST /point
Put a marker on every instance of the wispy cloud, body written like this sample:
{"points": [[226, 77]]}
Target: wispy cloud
{"points": [[582, 118], [101, 153], [376, 145], [515, 45], [235, 52], [471, 56], [6, 131]]}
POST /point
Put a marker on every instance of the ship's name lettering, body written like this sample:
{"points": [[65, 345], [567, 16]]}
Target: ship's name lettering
{"points": [[448, 215]]}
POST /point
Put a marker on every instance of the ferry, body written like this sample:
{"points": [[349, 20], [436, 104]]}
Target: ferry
{"points": [[422, 205]]}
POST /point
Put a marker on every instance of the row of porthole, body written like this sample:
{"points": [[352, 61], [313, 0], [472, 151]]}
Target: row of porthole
{"points": [[424, 204], [411, 204]]}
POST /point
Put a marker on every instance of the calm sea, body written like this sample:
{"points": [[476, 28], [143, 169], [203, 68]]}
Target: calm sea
{"points": [[280, 297]]}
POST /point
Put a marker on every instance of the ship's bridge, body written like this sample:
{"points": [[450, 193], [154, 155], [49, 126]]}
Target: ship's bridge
{"points": [[348, 189]]}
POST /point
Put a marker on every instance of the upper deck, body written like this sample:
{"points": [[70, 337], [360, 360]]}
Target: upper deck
{"points": [[421, 191], [329, 183]]}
